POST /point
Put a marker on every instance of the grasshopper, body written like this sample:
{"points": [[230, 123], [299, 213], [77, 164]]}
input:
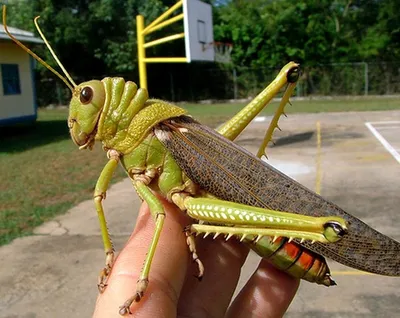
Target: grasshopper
{"points": [[226, 190]]}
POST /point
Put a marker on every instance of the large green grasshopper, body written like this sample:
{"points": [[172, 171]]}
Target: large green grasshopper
{"points": [[225, 190]]}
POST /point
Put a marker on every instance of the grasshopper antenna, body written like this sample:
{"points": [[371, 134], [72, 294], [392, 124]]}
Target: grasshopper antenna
{"points": [[52, 52], [40, 60]]}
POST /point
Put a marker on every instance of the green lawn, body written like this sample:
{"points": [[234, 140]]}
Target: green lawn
{"points": [[213, 114], [43, 173]]}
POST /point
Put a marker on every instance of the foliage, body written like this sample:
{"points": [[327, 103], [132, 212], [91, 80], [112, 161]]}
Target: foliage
{"points": [[95, 38], [265, 33]]}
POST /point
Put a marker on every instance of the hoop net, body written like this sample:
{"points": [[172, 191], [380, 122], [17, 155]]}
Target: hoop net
{"points": [[222, 52]]}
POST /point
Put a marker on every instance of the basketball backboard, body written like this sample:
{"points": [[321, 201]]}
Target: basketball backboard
{"points": [[198, 25]]}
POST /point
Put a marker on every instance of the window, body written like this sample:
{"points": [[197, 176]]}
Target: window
{"points": [[10, 78]]}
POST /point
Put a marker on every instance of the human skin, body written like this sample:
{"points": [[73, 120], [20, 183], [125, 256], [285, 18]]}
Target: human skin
{"points": [[172, 289]]}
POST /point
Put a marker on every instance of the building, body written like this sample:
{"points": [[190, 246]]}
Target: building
{"points": [[17, 86]]}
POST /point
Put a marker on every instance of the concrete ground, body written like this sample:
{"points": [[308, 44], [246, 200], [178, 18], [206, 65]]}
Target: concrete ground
{"points": [[54, 273]]}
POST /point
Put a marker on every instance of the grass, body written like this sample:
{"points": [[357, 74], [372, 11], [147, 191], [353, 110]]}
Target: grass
{"points": [[214, 114], [43, 174]]}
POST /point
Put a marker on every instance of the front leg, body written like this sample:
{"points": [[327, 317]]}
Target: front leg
{"points": [[157, 211], [99, 196]]}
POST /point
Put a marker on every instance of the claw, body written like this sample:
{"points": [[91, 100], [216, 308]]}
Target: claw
{"points": [[103, 277], [201, 269], [101, 287], [123, 310]]}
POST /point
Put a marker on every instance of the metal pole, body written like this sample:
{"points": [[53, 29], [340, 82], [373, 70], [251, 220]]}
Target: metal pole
{"points": [[235, 89], [171, 80], [164, 15], [141, 51], [58, 93], [366, 79]]}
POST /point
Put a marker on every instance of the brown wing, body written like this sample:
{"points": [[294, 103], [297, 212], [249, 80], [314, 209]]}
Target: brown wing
{"points": [[232, 173]]}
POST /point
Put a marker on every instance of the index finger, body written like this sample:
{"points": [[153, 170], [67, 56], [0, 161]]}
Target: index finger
{"points": [[167, 272]]}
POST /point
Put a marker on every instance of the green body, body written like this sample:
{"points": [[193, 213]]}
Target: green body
{"points": [[122, 117], [151, 155], [159, 145]]}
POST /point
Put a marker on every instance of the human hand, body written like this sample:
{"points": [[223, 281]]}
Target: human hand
{"points": [[172, 289]]}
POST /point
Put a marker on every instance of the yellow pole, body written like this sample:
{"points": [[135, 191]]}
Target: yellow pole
{"points": [[163, 24], [166, 60], [165, 39], [141, 51], [164, 15]]}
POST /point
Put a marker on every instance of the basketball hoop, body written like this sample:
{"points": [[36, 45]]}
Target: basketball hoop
{"points": [[222, 52]]}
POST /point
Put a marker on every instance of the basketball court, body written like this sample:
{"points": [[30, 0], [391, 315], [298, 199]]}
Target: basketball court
{"points": [[358, 168], [387, 132]]}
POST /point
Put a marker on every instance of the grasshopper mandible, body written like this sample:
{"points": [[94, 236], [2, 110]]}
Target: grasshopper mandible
{"points": [[222, 187]]}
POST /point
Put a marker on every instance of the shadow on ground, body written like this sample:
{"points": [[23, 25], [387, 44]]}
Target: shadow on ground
{"points": [[293, 138], [280, 141], [24, 137]]}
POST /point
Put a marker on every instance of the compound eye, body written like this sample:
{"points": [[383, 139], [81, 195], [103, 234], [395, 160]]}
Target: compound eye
{"points": [[86, 95]]}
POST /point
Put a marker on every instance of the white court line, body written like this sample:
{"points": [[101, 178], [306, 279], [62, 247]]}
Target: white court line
{"points": [[384, 142], [385, 122], [389, 127], [260, 119]]}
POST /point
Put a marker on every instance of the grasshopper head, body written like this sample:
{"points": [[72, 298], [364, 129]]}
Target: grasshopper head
{"points": [[84, 112]]}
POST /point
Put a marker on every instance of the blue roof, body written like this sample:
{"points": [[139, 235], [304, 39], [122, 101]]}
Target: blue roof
{"points": [[22, 35]]}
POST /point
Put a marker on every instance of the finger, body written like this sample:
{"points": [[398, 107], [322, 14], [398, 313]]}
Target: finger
{"points": [[268, 293], [211, 296], [167, 272]]}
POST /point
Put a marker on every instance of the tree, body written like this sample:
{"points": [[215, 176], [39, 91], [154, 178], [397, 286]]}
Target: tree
{"points": [[266, 33]]}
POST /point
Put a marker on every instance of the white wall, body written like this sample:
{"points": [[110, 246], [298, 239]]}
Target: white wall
{"points": [[16, 105]]}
